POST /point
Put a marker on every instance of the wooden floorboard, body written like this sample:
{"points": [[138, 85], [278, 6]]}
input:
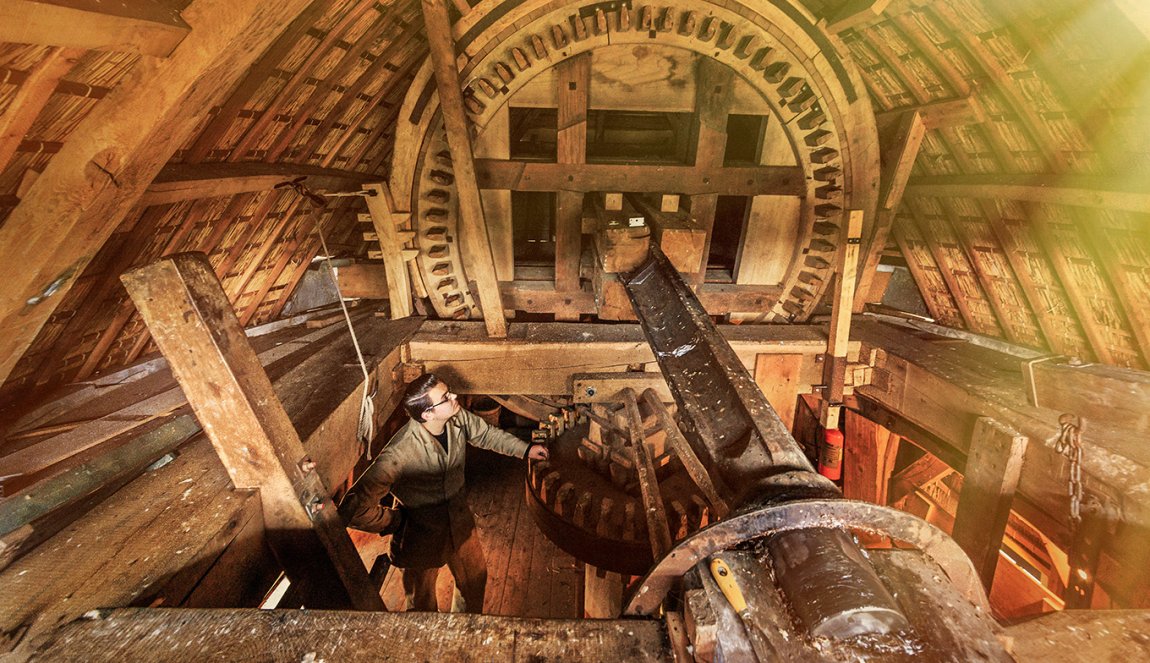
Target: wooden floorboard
{"points": [[527, 575]]}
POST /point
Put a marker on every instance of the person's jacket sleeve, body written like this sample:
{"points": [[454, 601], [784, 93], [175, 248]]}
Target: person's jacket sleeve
{"points": [[361, 508], [481, 434]]}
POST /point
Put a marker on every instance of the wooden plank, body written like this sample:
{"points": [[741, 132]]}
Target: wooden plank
{"points": [[993, 466], [1074, 190], [688, 180], [943, 114], [658, 529], [143, 634], [39, 86], [386, 222], [1126, 284], [869, 452], [234, 399], [132, 26], [779, 378], [573, 78], [475, 243], [919, 474], [602, 593], [898, 157], [1118, 397], [495, 142], [180, 181], [714, 90], [108, 161]]}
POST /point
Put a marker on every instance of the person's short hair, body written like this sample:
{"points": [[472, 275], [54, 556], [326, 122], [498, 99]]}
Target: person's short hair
{"points": [[415, 398]]}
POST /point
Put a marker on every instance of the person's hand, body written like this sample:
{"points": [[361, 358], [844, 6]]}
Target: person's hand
{"points": [[538, 452]]}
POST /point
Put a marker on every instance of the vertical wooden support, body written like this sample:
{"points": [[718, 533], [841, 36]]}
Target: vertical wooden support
{"points": [[573, 76], [778, 378], [475, 242], [899, 154], [835, 364], [1085, 550], [714, 88], [993, 466], [602, 593], [657, 527], [386, 222], [868, 459], [194, 325]]}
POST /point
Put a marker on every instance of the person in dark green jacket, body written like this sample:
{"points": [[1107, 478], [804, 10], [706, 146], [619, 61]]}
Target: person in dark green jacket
{"points": [[422, 466]]}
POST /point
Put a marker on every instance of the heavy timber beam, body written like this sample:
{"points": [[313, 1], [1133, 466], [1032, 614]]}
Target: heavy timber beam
{"points": [[195, 327], [687, 180], [181, 181], [1078, 191], [475, 243], [147, 28], [108, 162]]}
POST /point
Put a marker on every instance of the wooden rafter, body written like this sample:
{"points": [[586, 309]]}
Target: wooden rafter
{"points": [[945, 270], [476, 246], [113, 155], [133, 26], [37, 87], [1107, 253], [898, 160]]}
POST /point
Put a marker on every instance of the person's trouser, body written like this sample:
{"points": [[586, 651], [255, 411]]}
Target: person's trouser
{"points": [[468, 566]]}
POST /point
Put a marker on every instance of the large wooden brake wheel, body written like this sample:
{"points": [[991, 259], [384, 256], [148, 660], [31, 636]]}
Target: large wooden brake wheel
{"points": [[776, 50]]}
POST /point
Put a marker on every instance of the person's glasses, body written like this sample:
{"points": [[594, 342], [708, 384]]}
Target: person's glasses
{"points": [[448, 396]]}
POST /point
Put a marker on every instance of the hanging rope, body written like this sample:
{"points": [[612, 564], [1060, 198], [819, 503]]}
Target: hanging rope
{"points": [[365, 431]]}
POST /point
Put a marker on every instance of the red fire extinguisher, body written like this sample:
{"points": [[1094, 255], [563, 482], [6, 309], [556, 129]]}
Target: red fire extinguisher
{"points": [[831, 454]]}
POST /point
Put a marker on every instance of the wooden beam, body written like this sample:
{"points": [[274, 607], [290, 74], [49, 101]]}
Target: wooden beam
{"points": [[1073, 190], [1125, 279], [898, 157], [855, 13], [944, 114], [386, 222], [846, 270], [714, 89], [367, 280], [192, 321], [919, 474], [475, 243], [113, 155], [993, 467], [37, 87], [687, 180], [1109, 395], [686, 454], [658, 529], [869, 452], [132, 26], [573, 76], [181, 181]]}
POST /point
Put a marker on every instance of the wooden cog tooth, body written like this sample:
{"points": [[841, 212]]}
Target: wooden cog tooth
{"points": [[538, 47], [666, 21], [558, 37], [521, 61], [811, 120], [547, 487], [603, 525], [563, 499], [681, 524], [579, 27], [726, 36], [582, 508], [647, 19], [504, 73], [702, 509], [623, 18], [600, 21], [688, 23], [709, 29]]}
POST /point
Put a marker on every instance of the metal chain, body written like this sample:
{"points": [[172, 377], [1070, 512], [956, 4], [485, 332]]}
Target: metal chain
{"points": [[1068, 442]]}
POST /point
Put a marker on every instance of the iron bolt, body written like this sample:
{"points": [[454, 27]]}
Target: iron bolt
{"points": [[307, 465]]}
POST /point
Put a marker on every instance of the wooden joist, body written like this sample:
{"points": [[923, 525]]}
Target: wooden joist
{"points": [[919, 474], [573, 77], [869, 452], [194, 325], [993, 467], [131, 26], [944, 114], [475, 242], [1098, 394], [98, 176]]}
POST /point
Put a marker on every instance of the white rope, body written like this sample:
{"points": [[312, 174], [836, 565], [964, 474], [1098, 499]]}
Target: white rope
{"points": [[365, 431]]}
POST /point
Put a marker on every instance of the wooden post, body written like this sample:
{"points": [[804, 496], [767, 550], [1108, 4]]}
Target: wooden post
{"points": [[714, 89], [993, 467], [391, 240], [574, 80], [196, 328], [868, 459], [686, 454], [475, 242], [835, 364], [657, 528], [602, 593]]}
